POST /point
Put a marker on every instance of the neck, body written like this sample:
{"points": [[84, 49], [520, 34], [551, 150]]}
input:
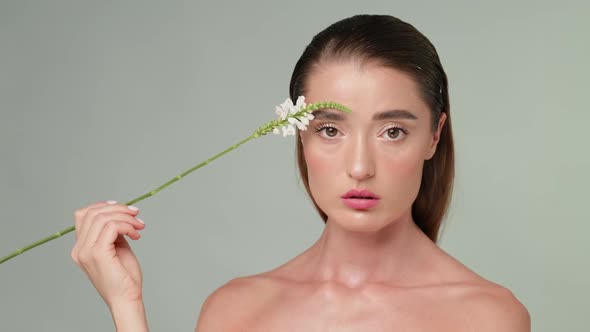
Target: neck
{"points": [[392, 254]]}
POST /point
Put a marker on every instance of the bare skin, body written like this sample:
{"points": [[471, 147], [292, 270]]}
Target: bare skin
{"points": [[438, 293], [371, 269]]}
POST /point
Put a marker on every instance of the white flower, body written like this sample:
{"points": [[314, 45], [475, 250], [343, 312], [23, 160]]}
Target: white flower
{"points": [[296, 122], [281, 113], [303, 120], [288, 130], [284, 109], [287, 110], [300, 104], [288, 104]]}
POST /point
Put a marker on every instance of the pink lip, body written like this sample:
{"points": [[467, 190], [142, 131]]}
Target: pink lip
{"points": [[360, 199]]}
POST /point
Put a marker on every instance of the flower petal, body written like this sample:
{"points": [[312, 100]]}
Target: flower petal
{"points": [[281, 113], [289, 130], [299, 125], [300, 103], [295, 121], [303, 120], [287, 105]]}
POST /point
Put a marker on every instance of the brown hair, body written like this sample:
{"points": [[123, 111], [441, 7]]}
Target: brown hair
{"points": [[393, 43]]}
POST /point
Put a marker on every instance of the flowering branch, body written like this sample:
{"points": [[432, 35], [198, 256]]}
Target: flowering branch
{"points": [[290, 116]]}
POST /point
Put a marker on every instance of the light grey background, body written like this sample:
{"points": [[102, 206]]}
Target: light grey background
{"points": [[110, 99]]}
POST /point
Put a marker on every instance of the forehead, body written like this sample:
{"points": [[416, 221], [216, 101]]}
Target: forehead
{"points": [[365, 88]]}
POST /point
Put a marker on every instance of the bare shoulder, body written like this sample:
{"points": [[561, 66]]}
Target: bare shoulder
{"points": [[231, 306], [492, 307], [483, 305]]}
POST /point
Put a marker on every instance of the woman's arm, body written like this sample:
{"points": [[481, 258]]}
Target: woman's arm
{"points": [[129, 317], [103, 253]]}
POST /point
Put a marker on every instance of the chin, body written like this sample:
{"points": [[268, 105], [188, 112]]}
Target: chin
{"points": [[358, 221]]}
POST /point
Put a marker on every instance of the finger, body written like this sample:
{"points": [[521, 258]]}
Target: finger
{"points": [[79, 215], [102, 219], [88, 251], [84, 218], [113, 230], [89, 256], [94, 212]]}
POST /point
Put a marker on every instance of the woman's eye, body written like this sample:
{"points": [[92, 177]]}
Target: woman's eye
{"points": [[331, 131], [327, 130], [394, 133]]}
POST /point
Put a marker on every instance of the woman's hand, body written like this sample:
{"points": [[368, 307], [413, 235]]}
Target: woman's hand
{"points": [[103, 253]]}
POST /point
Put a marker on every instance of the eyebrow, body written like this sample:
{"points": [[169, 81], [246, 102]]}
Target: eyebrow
{"points": [[386, 115]]}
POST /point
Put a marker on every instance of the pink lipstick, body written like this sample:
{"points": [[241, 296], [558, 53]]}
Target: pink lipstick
{"points": [[360, 199]]}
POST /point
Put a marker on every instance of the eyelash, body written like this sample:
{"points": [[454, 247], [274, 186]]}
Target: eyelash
{"points": [[323, 126]]}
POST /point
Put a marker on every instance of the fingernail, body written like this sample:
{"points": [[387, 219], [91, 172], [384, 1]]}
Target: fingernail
{"points": [[134, 208], [141, 221], [111, 202]]}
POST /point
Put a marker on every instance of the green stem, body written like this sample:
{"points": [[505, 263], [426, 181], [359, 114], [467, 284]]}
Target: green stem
{"points": [[133, 201], [263, 130]]}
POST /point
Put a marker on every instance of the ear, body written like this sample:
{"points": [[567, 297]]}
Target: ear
{"points": [[436, 136]]}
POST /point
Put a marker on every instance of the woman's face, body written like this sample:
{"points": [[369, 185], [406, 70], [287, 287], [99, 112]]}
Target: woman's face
{"points": [[380, 147]]}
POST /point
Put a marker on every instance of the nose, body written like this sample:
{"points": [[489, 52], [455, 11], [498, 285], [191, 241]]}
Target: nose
{"points": [[361, 163]]}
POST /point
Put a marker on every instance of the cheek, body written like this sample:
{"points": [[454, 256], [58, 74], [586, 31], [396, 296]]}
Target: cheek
{"points": [[405, 165], [318, 163], [317, 168], [323, 173], [404, 171], [408, 161], [319, 160]]}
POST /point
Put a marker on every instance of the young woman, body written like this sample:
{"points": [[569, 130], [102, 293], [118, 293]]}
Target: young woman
{"points": [[381, 179]]}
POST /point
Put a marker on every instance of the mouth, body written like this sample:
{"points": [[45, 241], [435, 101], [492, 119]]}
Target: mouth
{"points": [[360, 199], [360, 194]]}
